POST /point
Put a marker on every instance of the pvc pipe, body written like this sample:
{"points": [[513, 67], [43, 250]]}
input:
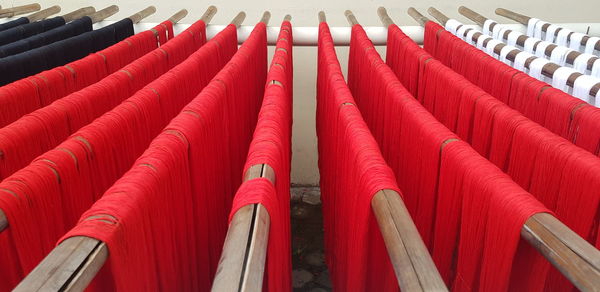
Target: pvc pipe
{"points": [[308, 35]]}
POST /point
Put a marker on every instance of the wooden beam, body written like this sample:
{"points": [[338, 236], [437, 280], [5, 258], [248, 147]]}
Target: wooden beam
{"points": [[242, 263], [239, 19], [18, 10], [70, 266], [143, 14], [416, 15], [104, 13], [209, 14], [384, 17], [175, 18], [45, 13], [322, 17], [266, 17], [350, 17], [413, 265], [81, 12]]}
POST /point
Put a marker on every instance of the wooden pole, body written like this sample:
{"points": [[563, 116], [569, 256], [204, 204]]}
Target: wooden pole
{"points": [[266, 17], [239, 19], [142, 14], [577, 260], [42, 14], [548, 70], [178, 16], [322, 17], [104, 13], [350, 17], [416, 15], [209, 14], [18, 10], [81, 12], [70, 266], [384, 17], [287, 17], [242, 263], [523, 19]]}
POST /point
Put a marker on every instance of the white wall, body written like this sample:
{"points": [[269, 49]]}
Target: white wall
{"points": [[304, 13]]}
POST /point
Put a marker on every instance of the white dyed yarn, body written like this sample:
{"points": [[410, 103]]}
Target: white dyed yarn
{"points": [[590, 46], [530, 44], [540, 49], [537, 31], [512, 38], [581, 63], [489, 48], [452, 25], [560, 77], [469, 37], [596, 69], [550, 32], [531, 26], [559, 55], [480, 41], [535, 69], [582, 87], [460, 32], [486, 26], [520, 59], [504, 52], [575, 41], [562, 39]]}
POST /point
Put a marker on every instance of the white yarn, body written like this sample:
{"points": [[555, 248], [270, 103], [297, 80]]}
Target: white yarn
{"points": [[581, 63], [530, 44], [575, 42], [537, 31], [504, 52], [559, 55], [497, 28], [560, 77], [460, 32], [531, 26], [452, 25], [590, 46], [540, 50], [520, 59], [582, 87], [535, 69], [486, 26], [489, 48], [562, 39], [512, 38], [480, 41], [501, 33], [596, 69], [469, 37], [550, 32]]}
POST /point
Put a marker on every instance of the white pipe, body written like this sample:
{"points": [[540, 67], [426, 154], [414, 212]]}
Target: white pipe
{"points": [[308, 35]]}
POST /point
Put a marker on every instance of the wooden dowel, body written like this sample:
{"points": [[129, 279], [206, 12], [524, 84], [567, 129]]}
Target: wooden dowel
{"points": [[142, 14], [520, 18], [18, 10], [78, 13], [209, 14], [104, 13], [574, 257], [42, 14], [178, 16], [384, 17], [70, 266], [242, 263], [438, 15], [416, 15], [266, 17], [3, 221], [287, 17], [239, 19], [413, 265], [548, 70], [322, 17], [350, 17]]}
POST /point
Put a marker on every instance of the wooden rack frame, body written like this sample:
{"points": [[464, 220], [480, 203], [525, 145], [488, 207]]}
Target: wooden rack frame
{"points": [[572, 255]]}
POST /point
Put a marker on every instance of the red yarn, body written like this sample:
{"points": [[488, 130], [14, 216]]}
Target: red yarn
{"points": [[468, 212], [168, 214], [52, 124], [95, 156], [26, 95], [271, 145], [520, 147]]}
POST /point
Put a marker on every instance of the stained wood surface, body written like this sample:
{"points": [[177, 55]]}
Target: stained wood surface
{"points": [[18, 10], [143, 14], [81, 12], [45, 13], [104, 13]]}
